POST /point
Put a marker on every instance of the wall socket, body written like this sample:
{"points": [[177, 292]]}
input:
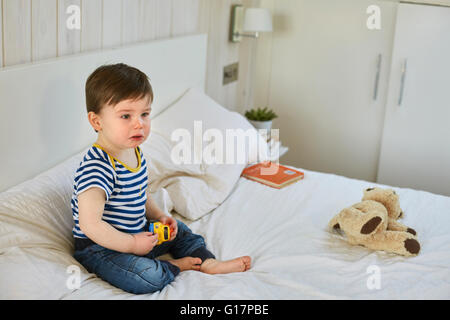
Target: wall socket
{"points": [[230, 73]]}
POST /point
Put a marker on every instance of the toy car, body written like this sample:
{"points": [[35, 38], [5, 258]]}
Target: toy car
{"points": [[162, 230]]}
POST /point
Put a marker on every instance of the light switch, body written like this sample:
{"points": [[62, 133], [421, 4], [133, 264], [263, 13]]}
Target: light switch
{"points": [[230, 73]]}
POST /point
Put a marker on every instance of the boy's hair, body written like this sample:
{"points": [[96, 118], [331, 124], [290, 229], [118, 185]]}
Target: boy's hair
{"points": [[111, 84]]}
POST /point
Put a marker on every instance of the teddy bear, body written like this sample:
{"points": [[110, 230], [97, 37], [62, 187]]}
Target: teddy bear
{"points": [[373, 223]]}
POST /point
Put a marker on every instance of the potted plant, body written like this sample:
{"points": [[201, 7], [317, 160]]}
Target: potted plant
{"points": [[261, 118]]}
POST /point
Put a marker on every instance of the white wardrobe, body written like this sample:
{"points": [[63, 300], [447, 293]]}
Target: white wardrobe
{"points": [[415, 148], [362, 89]]}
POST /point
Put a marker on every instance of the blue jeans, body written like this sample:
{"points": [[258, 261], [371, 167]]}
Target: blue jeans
{"points": [[143, 274]]}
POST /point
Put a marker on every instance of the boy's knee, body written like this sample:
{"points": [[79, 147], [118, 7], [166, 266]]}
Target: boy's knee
{"points": [[137, 275], [182, 227], [152, 279], [144, 286]]}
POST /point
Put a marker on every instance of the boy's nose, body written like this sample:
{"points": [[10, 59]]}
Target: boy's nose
{"points": [[139, 123]]}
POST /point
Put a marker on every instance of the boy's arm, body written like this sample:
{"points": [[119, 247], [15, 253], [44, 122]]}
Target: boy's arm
{"points": [[91, 204]]}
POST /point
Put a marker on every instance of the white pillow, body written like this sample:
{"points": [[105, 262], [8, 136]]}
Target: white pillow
{"points": [[37, 212], [198, 187]]}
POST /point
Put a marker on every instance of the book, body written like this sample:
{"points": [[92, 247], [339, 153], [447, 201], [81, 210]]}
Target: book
{"points": [[272, 174]]}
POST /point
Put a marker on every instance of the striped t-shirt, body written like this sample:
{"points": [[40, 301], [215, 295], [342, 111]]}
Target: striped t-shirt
{"points": [[124, 188]]}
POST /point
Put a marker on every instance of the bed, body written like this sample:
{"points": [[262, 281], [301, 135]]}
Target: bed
{"points": [[294, 254]]}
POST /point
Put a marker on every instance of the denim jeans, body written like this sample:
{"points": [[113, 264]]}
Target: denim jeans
{"points": [[143, 274]]}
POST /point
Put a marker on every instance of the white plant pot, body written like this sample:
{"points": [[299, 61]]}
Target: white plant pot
{"points": [[262, 124], [265, 125]]}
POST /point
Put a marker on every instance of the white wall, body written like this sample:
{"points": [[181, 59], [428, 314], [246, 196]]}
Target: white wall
{"points": [[33, 30], [263, 55]]}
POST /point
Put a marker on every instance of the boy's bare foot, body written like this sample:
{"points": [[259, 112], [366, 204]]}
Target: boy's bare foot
{"points": [[213, 266], [187, 263]]}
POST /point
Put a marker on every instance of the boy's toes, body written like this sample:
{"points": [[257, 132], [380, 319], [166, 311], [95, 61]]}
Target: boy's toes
{"points": [[196, 263], [412, 246], [247, 262]]}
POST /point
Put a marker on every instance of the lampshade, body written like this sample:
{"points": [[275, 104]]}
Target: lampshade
{"points": [[257, 20]]}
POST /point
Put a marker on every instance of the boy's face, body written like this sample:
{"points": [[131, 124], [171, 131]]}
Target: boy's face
{"points": [[125, 125]]}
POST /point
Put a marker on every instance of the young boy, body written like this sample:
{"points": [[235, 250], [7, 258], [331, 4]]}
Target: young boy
{"points": [[111, 205]]}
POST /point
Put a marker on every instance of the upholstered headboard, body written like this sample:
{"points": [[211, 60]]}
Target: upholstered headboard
{"points": [[42, 105]]}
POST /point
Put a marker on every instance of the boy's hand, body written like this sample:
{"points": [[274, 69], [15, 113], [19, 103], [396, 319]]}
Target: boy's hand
{"points": [[172, 225], [144, 242]]}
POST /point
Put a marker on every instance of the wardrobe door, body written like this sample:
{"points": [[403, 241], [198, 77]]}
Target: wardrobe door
{"points": [[415, 149], [329, 77]]}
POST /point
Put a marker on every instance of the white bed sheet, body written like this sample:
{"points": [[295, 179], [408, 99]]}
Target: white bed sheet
{"points": [[296, 257], [284, 231]]}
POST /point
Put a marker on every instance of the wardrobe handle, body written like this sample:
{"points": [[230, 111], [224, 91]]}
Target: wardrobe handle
{"points": [[402, 83], [377, 78]]}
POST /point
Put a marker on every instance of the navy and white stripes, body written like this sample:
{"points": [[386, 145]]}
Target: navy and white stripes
{"points": [[124, 188]]}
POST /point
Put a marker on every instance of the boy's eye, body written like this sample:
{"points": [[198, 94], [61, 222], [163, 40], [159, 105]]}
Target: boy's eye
{"points": [[125, 116], [146, 114]]}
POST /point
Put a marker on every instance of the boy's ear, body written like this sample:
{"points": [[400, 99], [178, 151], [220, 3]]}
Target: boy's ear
{"points": [[94, 120]]}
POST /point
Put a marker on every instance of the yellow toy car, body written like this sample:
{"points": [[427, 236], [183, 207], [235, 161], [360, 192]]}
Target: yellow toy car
{"points": [[162, 230]]}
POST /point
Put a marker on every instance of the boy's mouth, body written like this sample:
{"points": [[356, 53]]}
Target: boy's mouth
{"points": [[137, 137]]}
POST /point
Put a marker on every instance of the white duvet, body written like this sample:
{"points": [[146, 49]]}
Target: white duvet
{"points": [[284, 231]]}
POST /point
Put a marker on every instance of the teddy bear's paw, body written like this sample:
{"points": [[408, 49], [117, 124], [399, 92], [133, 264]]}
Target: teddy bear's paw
{"points": [[371, 225], [398, 242], [412, 246], [412, 231]]}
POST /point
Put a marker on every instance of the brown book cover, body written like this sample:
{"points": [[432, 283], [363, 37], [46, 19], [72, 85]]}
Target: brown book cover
{"points": [[272, 174]]}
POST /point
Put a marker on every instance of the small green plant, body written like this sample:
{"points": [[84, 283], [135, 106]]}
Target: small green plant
{"points": [[260, 114]]}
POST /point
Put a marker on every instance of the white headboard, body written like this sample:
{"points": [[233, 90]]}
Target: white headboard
{"points": [[43, 118]]}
